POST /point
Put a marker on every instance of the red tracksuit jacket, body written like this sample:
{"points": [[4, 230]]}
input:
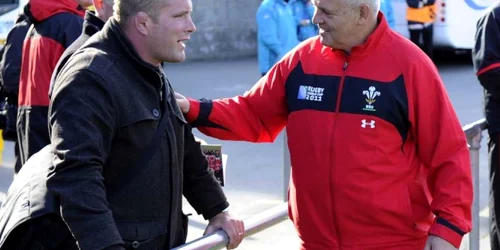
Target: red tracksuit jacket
{"points": [[379, 159]]}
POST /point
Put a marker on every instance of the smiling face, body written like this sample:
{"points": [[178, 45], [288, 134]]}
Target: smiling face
{"points": [[169, 30], [337, 21]]}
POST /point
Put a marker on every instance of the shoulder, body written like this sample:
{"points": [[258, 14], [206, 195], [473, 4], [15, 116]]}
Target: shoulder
{"points": [[397, 45], [87, 61], [309, 47], [267, 5], [64, 19], [310, 51], [59, 26]]}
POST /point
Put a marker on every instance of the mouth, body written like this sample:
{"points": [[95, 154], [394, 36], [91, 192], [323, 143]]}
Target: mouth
{"points": [[322, 32], [182, 42]]}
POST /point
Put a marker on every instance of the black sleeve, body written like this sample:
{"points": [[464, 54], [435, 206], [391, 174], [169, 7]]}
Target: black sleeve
{"points": [[12, 57], [201, 189], [490, 80], [486, 52], [82, 124], [413, 3]]}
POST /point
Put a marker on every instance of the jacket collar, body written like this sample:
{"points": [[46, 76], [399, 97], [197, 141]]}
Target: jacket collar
{"points": [[92, 24]]}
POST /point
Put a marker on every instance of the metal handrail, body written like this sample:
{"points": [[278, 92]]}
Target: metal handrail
{"points": [[470, 130], [253, 224], [269, 218], [473, 132]]}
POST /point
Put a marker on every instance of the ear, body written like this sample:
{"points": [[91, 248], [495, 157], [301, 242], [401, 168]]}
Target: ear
{"points": [[141, 23], [364, 13]]}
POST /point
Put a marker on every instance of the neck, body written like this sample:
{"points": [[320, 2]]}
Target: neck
{"points": [[362, 37]]}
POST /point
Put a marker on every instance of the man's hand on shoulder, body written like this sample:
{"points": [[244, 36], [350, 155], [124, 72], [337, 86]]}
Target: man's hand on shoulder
{"points": [[437, 243], [233, 227], [183, 102]]}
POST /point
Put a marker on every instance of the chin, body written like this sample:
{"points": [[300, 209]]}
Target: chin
{"points": [[177, 57], [324, 41]]}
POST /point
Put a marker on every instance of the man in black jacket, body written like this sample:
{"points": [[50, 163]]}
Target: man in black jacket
{"points": [[107, 103], [486, 59]]}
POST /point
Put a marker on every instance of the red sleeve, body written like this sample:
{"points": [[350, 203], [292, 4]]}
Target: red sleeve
{"points": [[443, 149], [256, 116]]}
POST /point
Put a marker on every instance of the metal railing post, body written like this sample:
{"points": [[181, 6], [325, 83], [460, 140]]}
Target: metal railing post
{"points": [[474, 139]]}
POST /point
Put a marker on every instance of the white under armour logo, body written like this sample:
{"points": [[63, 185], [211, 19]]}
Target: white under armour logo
{"points": [[364, 123]]}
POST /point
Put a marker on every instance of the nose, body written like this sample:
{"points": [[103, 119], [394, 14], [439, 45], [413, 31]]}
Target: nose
{"points": [[191, 26], [316, 18]]}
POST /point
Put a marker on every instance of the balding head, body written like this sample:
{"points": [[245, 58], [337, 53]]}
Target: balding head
{"points": [[345, 24]]}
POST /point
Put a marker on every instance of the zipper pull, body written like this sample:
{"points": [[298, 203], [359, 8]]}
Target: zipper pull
{"points": [[345, 65]]}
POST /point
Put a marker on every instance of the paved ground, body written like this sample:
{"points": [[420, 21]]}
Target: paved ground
{"points": [[255, 171]]}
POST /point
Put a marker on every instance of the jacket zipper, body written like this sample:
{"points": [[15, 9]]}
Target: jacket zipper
{"points": [[332, 173], [341, 87]]}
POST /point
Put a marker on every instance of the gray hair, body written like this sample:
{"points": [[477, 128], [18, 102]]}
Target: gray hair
{"points": [[373, 4], [124, 9]]}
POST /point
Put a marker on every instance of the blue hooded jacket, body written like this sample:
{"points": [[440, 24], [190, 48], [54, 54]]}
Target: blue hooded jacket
{"points": [[386, 8], [304, 10], [276, 32]]}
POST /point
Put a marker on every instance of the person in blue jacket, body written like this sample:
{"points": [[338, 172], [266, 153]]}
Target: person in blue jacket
{"points": [[276, 32], [304, 11], [386, 8]]}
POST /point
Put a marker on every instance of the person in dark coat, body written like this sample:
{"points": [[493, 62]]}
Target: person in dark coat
{"points": [[56, 25], [486, 60], [10, 69]]}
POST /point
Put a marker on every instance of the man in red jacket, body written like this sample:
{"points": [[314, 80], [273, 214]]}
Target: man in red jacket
{"points": [[56, 25], [379, 159]]}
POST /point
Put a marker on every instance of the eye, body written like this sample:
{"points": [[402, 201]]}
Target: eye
{"points": [[181, 15], [324, 11]]}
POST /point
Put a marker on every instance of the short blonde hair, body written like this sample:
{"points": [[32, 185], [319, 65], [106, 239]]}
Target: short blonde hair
{"points": [[124, 9]]}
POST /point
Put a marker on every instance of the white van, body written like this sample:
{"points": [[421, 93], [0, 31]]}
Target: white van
{"points": [[455, 26], [9, 11]]}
